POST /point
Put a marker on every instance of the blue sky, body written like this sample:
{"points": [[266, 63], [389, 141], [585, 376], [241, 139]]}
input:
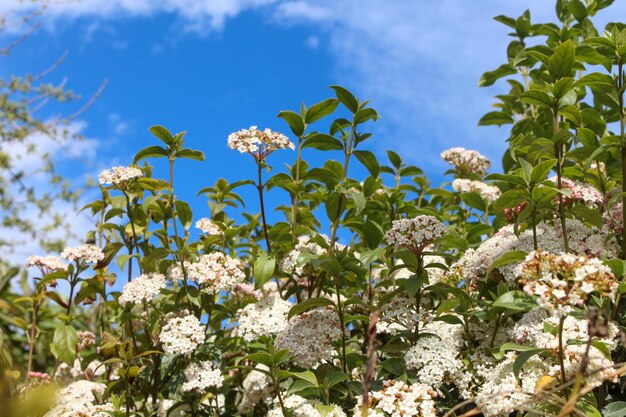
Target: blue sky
{"points": [[215, 66]]}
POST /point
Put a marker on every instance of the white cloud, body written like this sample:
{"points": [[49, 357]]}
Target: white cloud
{"points": [[63, 151]]}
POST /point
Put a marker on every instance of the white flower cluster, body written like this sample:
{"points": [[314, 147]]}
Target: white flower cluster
{"points": [[207, 226], [266, 317], [581, 192], [399, 314], [259, 143], [256, 388], [181, 334], [119, 175], [215, 272], [87, 253], [565, 280], [168, 408], [533, 330], [309, 337], [466, 161], [85, 340], [583, 240], [489, 192], [398, 399], [501, 393], [416, 233], [143, 288], [201, 376], [47, 264], [295, 261], [302, 407], [78, 398], [613, 218], [436, 355]]}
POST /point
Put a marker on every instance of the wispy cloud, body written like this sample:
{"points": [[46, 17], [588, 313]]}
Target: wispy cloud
{"points": [[27, 156]]}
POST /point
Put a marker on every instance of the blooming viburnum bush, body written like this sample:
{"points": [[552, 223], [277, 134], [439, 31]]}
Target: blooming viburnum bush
{"points": [[360, 295]]}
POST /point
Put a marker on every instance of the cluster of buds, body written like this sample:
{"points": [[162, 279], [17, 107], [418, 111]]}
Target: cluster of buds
{"points": [[466, 161]]}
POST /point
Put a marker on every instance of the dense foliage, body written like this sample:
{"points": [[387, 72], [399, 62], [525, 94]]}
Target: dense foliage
{"points": [[382, 296]]}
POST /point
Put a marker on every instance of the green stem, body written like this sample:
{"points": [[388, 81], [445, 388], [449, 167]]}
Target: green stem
{"points": [[260, 187], [135, 241], [622, 128], [561, 351], [559, 174], [344, 365], [296, 196]]}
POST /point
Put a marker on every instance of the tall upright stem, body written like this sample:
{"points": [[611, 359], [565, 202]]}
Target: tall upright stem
{"points": [[559, 174], [296, 196], [260, 187], [622, 127], [136, 243]]}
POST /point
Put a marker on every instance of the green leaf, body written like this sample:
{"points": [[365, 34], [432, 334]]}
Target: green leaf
{"points": [[616, 409], [395, 159], [541, 170], [537, 98], [372, 234], [334, 206], [323, 142], [495, 118], [307, 305], [363, 115], [368, 159], [306, 376], [294, 120], [150, 152], [490, 77], [264, 266], [64, 343], [596, 80], [394, 366], [523, 357], [517, 301], [190, 154], [561, 62], [260, 357], [184, 213], [163, 134], [359, 201], [346, 98], [321, 109]]}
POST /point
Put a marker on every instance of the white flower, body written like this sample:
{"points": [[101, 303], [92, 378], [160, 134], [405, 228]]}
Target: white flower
{"points": [[215, 272], [207, 226], [398, 399], [489, 192], [295, 261], [119, 175], [181, 335], [302, 407], [201, 376], [143, 288], [436, 358], [466, 161], [258, 143], [416, 233], [47, 264], [266, 317], [309, 337], [77, 399], [87, 253], [257, 387]]}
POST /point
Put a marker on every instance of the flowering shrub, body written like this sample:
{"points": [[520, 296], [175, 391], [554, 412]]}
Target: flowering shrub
{"points": [[373, 296]]}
